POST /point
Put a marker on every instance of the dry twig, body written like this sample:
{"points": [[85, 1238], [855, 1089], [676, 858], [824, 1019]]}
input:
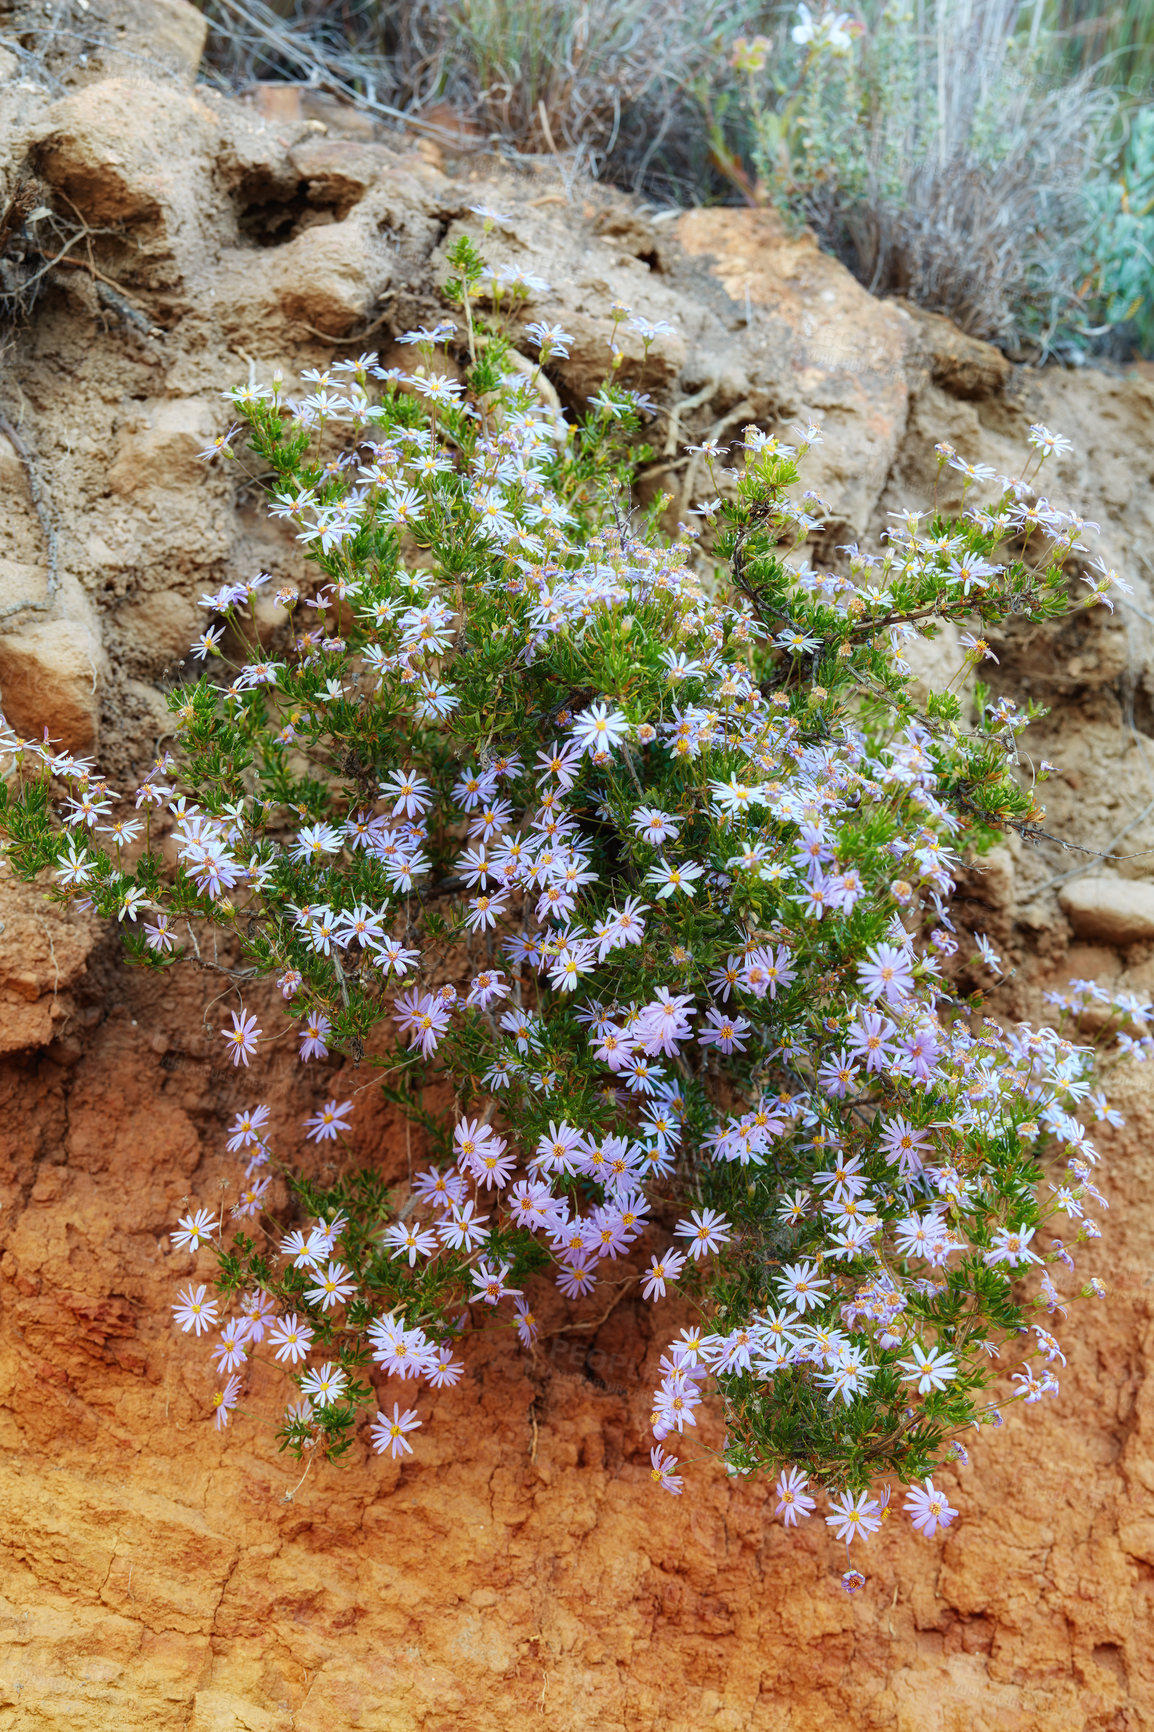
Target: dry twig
{"points": [[47, 517]]}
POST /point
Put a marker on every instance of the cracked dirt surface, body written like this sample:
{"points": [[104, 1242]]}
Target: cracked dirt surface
{"points": [[520, 1571]]}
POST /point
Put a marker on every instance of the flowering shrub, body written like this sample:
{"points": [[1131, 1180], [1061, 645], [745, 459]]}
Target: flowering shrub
{"points": [[640, 858]]}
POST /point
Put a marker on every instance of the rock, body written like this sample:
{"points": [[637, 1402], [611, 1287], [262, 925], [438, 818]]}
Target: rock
{"points": [[327, 279], [814, 344], [280, 103], [338, 171], [21, 581], [158, 444], [44, 947], [290, 104], [961, 365], [583, 275], [1113, 910], [333, 114], [168, 36], [13, 478], [157, 630], [49, 679], [121, 150]]}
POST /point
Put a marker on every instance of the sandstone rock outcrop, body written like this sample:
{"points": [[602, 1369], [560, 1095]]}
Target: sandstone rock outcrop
{"points": [[520, 1571], [44, 951], [48, 679], [1115, 910]]}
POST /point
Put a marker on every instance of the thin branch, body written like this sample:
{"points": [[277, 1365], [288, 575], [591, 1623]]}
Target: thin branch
{"points": [[46, 515], [81, 265], [1076, 847], [56, 259]]}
